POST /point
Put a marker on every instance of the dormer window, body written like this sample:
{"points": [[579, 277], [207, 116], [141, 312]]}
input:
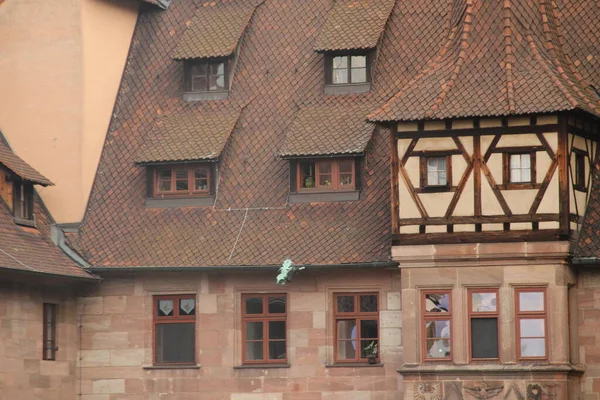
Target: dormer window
{"points": [[326, 175], [182, 180], [206, 76], [23, 200], [347, 73]]}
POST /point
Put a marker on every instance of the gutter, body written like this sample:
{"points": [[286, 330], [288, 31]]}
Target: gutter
{"points": [[223, 268], [586, 260]]}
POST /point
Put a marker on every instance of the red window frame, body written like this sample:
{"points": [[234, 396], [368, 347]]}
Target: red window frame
{"points": [[358, 317], [524, 315], [335, 175], [50, 348], [176, 318], [483, 314], [433, 317], [265, 317], [191, 180]]}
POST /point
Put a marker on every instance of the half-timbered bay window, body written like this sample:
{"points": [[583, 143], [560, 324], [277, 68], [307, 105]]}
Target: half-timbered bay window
{"points": [[532, 325], [182, 180], [356, 327], [264, 328], [326, 175], [175, 329], [49, 334], [437, 329], [483, 323]]}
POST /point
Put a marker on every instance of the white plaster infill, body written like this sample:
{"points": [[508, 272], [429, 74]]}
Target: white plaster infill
{"points": [[481, 254]]}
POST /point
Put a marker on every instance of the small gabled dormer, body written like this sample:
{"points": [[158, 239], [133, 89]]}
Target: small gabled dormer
{"points": [[348, 40], [208, 50], [16, 185], [325, 146], [181, 154]]}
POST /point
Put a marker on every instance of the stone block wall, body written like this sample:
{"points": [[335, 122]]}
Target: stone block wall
{"points": [[588, 338], [23, 372], [116, 352]]}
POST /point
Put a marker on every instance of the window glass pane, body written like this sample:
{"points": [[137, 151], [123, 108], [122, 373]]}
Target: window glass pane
{"points": [[276, 304], [340, 62], [437, 329], [515, 175], [199, 69], [165, 308], [307, 175], [276, 330], [181, 185], [346, 350], [277, 350], [525, 160], [254, 330], [324, 168], [531, 301], [345, 303], [359, 75], [483, 302], [187, 306], [340, 76], [175, 343], [441, 163], [484, 337], [201, 185], [368, 303], [254, 351], [515, 161], [346, 329], [217, 69], [199, 83], [358, 62], [438, 348], [345, 179], [432, 164], [368, 348], [532, 328], [254, 305], [164, 181], [437, 302], [217, 82], [441, 178], [181, 179], [346, 166], [432, 178], [369, 329], [325, 180], [533, 347], [200, 173], [526, 175], [436, 171]]}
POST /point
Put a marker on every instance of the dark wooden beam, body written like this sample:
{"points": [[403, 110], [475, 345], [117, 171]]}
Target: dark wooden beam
{"points": [[481, 131], [463, 179], [563, 179], [478, 237], [477, 174], [487, 219]]}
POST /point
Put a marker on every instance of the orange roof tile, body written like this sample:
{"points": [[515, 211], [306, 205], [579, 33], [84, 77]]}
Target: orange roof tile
{"points": [[17, 165], [354, 24]]}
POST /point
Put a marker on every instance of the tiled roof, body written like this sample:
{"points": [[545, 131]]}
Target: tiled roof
{"points": [[187, 136], [354, 24], [29, 249], [17, 165], [328, 130], [214, 31], [277, 73], [501, 58]]}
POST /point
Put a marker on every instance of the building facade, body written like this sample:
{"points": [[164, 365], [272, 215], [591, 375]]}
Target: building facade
{"points": [[429, 170]]}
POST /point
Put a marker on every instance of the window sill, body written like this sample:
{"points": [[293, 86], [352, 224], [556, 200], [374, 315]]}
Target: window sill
{"points": [[489, 369], [187, 366], [348, 88], [167, 202], [519, 186], [354, 365], [436, 189], [205, 96], [324, 197], [25, 222], [262, 366]]}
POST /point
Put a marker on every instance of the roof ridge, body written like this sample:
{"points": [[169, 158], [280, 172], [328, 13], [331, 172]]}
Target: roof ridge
{"points": [[448, 85], [509, 55]]}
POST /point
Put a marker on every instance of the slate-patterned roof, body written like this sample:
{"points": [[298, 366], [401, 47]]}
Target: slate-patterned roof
{"points": [[501, 58], [31, 250], [277, 74], [187, 136], [17, 165], [214, 31], [328, 130], [354, 24]]}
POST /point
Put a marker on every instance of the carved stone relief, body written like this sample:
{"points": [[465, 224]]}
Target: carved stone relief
{"points": [[485, 390], [428, 391], [513, 393], [537, 391], [453, 391]]}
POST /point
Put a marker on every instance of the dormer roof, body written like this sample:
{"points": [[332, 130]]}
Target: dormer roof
{"points": [[19, 167]]}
